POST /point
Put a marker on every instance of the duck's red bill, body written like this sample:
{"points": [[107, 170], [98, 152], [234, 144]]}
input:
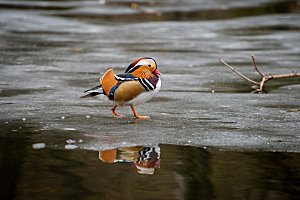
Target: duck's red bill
{"points": [[157, 72]]}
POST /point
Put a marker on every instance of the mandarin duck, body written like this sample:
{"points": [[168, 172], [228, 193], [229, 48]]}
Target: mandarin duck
{"points": [[145, 159], [140, 82]]}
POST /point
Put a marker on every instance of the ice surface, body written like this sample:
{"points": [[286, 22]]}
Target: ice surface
{"points": [[51, 57], [38, 146]]}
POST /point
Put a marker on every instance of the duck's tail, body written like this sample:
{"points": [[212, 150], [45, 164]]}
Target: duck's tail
{"points": [[107, 82], [93, 91]]}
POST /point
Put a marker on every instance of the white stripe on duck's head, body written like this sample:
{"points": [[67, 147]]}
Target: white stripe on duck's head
{"points": [[143, 64]]}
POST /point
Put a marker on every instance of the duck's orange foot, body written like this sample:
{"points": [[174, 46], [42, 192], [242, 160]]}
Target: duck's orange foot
{"points": [[141, 117], [135, 114], [113, 110]]}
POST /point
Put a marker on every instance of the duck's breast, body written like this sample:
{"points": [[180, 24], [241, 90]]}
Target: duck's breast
{"points": [[145, 96]]}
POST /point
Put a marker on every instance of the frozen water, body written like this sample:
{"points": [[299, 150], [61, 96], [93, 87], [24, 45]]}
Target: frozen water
{"points": [[52, 56], [70, 141], [38, 146], [69, 129], [71, 146]]}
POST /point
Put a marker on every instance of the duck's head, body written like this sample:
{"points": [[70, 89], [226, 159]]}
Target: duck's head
{"points": [[143, 68]]}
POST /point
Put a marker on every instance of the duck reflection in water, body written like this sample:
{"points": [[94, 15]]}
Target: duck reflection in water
{"points": [[145, 159]]}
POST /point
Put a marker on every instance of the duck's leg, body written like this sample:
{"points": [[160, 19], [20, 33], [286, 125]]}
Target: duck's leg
{"points": [[135, 114], [113, 110]]}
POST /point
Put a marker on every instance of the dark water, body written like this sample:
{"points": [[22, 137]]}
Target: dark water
{"points": [[32, 171], [208, 136], [180, 172]]}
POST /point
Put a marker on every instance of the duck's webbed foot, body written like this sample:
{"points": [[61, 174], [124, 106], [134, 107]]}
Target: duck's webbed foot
{"points": [[113, 110], [135, 114]]}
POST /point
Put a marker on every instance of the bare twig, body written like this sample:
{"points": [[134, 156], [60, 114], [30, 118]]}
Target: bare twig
{"points": [[291, 75], [255, 67], [238, 73], [265, 78]]}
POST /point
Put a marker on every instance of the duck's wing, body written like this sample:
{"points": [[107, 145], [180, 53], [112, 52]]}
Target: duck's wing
{"points": [[108, 81], [125, 77], [146, 83]]}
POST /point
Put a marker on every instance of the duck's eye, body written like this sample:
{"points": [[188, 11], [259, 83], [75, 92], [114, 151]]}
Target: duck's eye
{"points": [[149, 65]]}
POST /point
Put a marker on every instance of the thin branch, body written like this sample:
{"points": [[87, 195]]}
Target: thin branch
{"points": [[265, 78], [291, 75], [262, 83], [238, 73], [255, 67]]}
